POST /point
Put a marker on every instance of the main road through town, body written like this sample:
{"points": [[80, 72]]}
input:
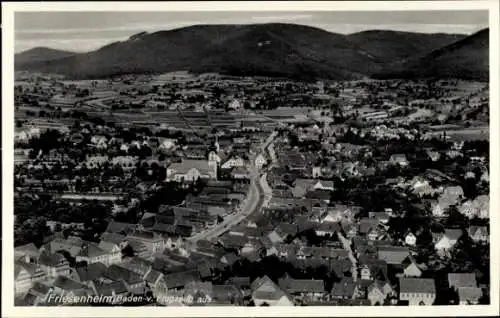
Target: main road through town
{"points": [[251, 204]]}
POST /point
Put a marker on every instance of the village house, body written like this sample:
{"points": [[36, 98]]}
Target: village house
{"points": [[54, 264], [302, 186], [381, 217], [21, 137], [479, 207], [232, 162], [379, 291], [468, 209], [91, 253], [26, 274], [417, 291], [350, 229], [411, 268], [371, 268], [485, 177], [112, 252], [136, 264], [453, 194], [133, 281], [439, 208], [469, 295], [197, 289], [482, 202], [465, 285], [457, 280], [286, 251], [303, 290], [90, 272], [21, 156], [274, 237], [119, 228], [234, 105], [265, 291], [335, 214], [399, 159], [323, 185], [421, 187], [453, 154], [240, 173], [100, 142], [433, 155], [410, 239], [195, 152], [153, 242], [393, 255], [63, 285], [27, 253], [127, 163], [226, 295], [154, 279], [94, 162], [260, 161], [345, 289], [370, 228], [229, 259], [328, 228], [116, 289], [444, 242], [112, 238], [36, 296], [167, 144], [478, 233], [124, 147], [178, 280]]}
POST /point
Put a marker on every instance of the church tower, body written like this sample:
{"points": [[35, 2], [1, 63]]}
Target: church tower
{"points": [[217, 146]]}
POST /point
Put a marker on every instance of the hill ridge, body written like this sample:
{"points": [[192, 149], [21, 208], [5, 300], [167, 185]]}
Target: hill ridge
{"points": [[267, 49]]}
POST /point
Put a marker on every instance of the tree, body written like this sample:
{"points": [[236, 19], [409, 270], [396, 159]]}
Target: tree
{"points": [[485, 299], [456, 218], [32, 231], [127, 251]]}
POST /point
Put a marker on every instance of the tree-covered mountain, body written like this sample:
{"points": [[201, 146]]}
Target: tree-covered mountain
{"points": [[40, 54], [273, 49], [465, 59]]}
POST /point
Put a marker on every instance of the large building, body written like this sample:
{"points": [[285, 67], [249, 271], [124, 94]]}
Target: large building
{"points": [[192, 170]]}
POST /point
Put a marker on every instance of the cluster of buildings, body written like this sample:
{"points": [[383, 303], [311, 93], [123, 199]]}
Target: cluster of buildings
{"points": [[207, 136]]}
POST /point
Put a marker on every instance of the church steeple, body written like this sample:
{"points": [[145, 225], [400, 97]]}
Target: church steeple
{"points": [[217, 146]]}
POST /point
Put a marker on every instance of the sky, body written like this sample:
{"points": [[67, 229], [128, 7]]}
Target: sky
{"points": [[87, 31]]}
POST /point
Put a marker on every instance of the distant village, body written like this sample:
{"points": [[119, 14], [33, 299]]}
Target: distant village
{"points": [[251, 191]]}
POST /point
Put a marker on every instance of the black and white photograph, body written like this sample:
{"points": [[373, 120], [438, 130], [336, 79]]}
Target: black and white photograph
{"points": [[313, 158]]}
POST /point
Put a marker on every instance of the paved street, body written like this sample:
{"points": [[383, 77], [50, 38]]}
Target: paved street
{"points": [[255, 198], [251, 204], [347, 246]]}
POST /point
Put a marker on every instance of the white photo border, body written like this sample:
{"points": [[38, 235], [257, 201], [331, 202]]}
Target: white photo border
{"points": [[8, 308]]}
